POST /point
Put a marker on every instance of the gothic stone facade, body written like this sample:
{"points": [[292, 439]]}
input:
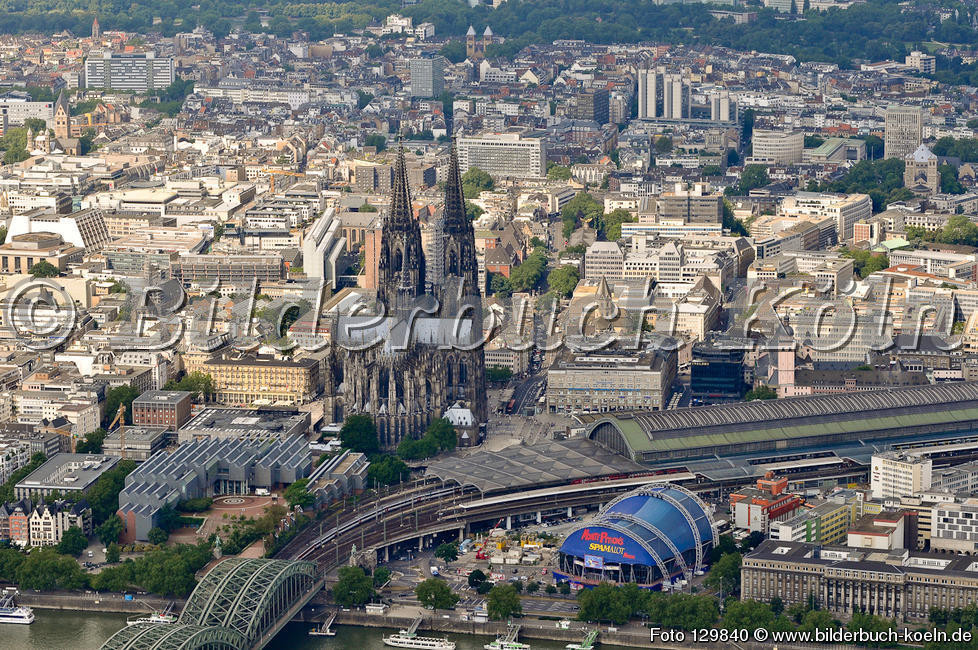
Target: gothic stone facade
{"points": [[422, 353]]}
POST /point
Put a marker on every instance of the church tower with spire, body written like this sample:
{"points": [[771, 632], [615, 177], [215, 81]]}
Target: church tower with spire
{"points": [[96, 30], [400, 269], [62, 117], [459, 261], [427, 363]]}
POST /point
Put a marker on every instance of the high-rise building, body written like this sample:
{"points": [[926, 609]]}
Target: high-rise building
{"points": [[663, 95], [903, 130], [778, 147], [130, 71], [427, 76], [591, 105], [504, 154]]}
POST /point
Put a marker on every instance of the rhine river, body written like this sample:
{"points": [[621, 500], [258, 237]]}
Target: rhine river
{"points": [[57, 630]]}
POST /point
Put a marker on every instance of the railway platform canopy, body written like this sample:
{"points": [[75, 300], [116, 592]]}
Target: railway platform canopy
{"points": [[539, 465], [686, 434]]}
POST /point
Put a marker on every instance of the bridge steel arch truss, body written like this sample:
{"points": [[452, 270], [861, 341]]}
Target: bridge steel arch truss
{"points": [[248, 596], [154, 636]]}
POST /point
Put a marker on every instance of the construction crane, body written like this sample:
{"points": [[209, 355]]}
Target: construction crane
{"points": [[272, 173], [120, 419], [480, 553]]}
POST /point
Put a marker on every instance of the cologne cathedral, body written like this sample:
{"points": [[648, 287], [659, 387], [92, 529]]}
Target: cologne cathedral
{"points": [[417, 352]]}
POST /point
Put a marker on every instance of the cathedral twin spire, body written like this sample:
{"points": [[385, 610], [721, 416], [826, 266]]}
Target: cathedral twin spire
{"points": [[402, 263]]}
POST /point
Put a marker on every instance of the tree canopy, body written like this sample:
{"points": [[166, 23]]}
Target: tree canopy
{"points": [[353, 587], [436, 594], [503, 602], [359, 434]]}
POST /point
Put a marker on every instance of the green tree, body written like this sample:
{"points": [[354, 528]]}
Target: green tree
{"points": [[103, 497], [366, 207], [298, 494], [447, 552], [817, 620], [558, 172], [73, 542], [44, 269], [353, 587], [663, 144], [498, 374], [604, 602], [476, 578], [949, 180], [112, 553], [752, 177], [375, 140], [474, 181], [443, 433], [454, 51], [504, 602], [612, 223], [381, 576], [874, 625], [499, 285], [363, 98], [45, 570], [472, 211], [157, 535], [387, 470], [359, 434], [711, 170], [435, 594], [92, 443], [119, 396], [563, 280], [761, 392], [725, 574], [747, 614], [583, 208], [108, 533], [417, 449]]}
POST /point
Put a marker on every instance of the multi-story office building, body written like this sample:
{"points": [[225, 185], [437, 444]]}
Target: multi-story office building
{"points": [[954, 527], [717, 373], [169, 409], [65, 473], [427, 76], [135, 72], [503, 154], [322, 246], [898, 584], [610, 381], [844, 209], [897, 474], [922, 62], [591, 105], [234, 270], [259, 379], [603, 259], [85, 228], [698, 204], [903, 130], [663, 95], [18, 106], [778, 147], [140, 442]]}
